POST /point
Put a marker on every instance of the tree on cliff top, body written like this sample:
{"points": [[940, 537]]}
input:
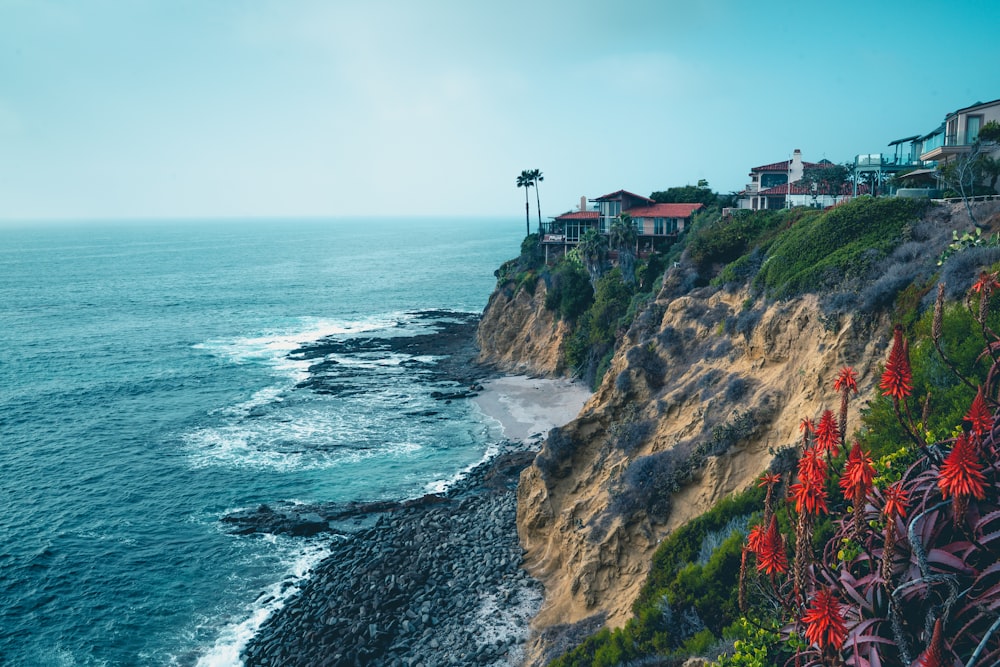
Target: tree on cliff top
{"points": [[687, 194], [536, 178], [526, 180]]}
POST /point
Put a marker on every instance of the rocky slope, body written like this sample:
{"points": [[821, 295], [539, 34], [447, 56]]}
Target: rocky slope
{"points": [[722, 402], [704, 390], [518, 335]]}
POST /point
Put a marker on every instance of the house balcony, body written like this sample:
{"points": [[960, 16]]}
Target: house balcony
{"points": [[953, 145]]}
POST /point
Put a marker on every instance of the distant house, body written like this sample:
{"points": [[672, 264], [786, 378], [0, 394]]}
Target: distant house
{"points": [[772, 185], [656, 224], [958, 132]]}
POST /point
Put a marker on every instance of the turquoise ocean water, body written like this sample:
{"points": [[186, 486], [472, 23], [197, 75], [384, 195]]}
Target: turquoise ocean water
{"points": [[146, 389]]}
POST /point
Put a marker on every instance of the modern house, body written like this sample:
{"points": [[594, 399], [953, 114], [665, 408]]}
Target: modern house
{"points": [[656, 224], [959, 132], [772, 186]]}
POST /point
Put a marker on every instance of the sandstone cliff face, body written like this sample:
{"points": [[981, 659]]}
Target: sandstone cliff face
{"points": [[518, 335], [685, 373]]}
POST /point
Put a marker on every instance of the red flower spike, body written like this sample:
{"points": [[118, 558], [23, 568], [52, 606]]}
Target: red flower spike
{"points": [[807, 426], [895, 501], [961, 473], [771, 558], [934, 655], [897, 380], [812, 467], [979, 415], [847, 380], [809, 497], [755, 538], [858, 473], [824, 622], [987, 281], [827, 433], [769, 479]]}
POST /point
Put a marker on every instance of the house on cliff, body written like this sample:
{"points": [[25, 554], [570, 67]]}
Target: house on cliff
{"points": [[773, 186], [656, 224], [959, 132]]}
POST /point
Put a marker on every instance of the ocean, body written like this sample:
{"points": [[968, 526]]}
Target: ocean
{"points": [[151, 385]]}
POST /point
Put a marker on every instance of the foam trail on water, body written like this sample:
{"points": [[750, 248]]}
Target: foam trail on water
{"points": [[234, 637]]}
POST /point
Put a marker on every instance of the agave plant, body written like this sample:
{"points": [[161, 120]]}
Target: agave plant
{"points": [[911, 575]]}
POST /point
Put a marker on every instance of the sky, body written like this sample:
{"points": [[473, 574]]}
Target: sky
{"points": [[259, 108]]}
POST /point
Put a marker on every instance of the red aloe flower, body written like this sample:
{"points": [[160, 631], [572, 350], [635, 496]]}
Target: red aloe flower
{"points": [[755, 538], [809, 496], [987, 281], [898, 378], [961, 473], [895, 501], [979, 415], [807, 426], [847, 380], [812, 467], [827, 434], [824, 623], [771, 558], [858, 473], [934, 655], [769, 479]]}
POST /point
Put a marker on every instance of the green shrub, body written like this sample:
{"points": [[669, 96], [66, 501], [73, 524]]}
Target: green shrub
{"points": [[570, 293], [821, 251]]}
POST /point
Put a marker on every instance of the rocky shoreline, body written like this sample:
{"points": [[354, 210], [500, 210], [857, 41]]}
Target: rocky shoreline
{"points": [[432, 582]]}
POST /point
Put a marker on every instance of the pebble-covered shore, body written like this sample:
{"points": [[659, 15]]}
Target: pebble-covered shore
{"points": [[438, 583]]}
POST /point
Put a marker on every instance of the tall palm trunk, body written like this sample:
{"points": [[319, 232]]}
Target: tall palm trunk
{"points": [[527, 214]]}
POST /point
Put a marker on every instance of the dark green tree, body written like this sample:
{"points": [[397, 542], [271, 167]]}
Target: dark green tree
{"points": [[687, 194], [525, 180], [828, 179], [623, 238], [593, 251]]}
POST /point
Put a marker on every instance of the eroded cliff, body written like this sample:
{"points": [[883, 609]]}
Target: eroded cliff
{"points": [[705, 389], [702, 392], [517, 334]]}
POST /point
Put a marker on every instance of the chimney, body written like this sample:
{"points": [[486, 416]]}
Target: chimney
{"points": [[583, 202]]}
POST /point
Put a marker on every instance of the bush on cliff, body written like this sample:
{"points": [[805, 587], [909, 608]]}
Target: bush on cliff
{"points": [[820, 251], [570, 293]]}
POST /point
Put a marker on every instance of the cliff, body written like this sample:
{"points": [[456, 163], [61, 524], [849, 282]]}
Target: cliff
{"points": [[588, 536], [705, 389], [518, 335]]}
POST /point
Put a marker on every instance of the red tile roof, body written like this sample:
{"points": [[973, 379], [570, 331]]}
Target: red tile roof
{"points": [[783, 166], [665, 211], [798, 189], [618, 195], [580, 215]]}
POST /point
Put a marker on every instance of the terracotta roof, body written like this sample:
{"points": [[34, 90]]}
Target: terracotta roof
{"points": [[580, 215], [618, 195], [798, 189], [665, 211], [783, 166]]}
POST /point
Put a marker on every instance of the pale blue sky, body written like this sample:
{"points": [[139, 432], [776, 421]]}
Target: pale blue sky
{"points": [[180, 108]]}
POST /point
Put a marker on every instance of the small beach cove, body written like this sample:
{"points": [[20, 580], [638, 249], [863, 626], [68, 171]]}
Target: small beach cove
{"points": [[436, 580]]}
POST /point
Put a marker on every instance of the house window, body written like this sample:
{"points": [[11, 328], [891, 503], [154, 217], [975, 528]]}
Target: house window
{"points": [[771, 180], [972, 125], [658, 226]]}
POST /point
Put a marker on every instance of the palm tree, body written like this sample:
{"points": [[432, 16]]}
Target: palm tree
{"points": [[526, 180], [536, 177], [623, 237], [593, 248]]}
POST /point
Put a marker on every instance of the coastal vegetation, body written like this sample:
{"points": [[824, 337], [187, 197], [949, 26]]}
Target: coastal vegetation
{"points": [[872, 260], [951, 366]]}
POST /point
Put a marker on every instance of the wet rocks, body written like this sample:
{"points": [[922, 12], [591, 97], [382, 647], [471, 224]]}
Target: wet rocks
{"points": [[432, 583]]}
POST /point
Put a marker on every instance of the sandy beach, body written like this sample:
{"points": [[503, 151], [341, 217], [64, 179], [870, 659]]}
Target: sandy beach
{"points": [[529, 407]]}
